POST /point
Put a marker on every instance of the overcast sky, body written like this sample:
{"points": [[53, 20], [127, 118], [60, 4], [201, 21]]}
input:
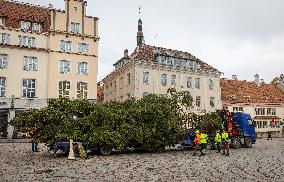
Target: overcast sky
{"points": [[242, 37]]}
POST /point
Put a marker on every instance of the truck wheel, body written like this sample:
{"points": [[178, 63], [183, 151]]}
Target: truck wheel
{"points": [[248, 142], [209, 145], [104, 150], [236, 143]]}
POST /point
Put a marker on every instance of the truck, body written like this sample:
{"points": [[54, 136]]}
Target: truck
{"points": [[240, 127]]}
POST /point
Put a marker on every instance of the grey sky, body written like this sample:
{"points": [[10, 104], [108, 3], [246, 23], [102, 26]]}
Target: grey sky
{"points": [[242, 37]]}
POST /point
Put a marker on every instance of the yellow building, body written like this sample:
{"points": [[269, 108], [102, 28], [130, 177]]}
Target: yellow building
{"points": [[46, 53], [151, 69]]}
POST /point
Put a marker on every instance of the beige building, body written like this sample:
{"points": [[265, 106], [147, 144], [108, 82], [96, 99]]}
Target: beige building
{"points": [[264, 102], [46, 53], [151, 69]]}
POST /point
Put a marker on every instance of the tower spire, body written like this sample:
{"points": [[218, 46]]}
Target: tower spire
{"points": [[140, 35]]}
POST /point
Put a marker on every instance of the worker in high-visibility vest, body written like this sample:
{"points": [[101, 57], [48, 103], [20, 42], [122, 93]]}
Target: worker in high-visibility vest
{"points": [[196, 142], [203, 143], [218, 140], [225, 142]]}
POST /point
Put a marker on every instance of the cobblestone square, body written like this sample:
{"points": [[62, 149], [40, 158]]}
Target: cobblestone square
{"points": [[263, 162]]}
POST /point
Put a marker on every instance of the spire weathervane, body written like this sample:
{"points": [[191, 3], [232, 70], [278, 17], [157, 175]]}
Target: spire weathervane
{"points": [[140, 35]]}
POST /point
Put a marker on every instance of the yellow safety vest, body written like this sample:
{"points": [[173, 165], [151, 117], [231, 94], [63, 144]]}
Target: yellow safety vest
{"points": [[225, 136], [217, 138], [203, 138]]}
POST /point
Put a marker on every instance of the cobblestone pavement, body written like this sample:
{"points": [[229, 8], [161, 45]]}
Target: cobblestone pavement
{"points": [[263, 162]]}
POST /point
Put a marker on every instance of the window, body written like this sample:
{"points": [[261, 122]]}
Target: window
{"points": [[173, 80], [164, 79], [82, 90], [197, 83], [64, 89], [198, 101], [2, 19], [75, 27], [114, 85], [65, 46], [29, 86], [27, 41], [36, 27], [145, 94], [83, 48], [259, 111], [25, 25], [65, 66], [189, 82], [83, 68], [128, 79], [2, 86], [4, 38], [212, 101], [146, 78], [271, 111], [121, 83], [3, 61], [237, 109], [211, 84], [30, 63]]}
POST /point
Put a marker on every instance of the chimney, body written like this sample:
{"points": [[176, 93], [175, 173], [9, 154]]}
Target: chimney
{"points": [[50, 6], [235, 77], [262, 81], [126, 53], [256, 79]]}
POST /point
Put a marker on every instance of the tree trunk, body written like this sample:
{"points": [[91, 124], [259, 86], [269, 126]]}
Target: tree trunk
{"points": [[71, 151]]}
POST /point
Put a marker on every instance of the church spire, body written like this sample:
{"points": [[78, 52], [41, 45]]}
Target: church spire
{"points": [[140, 35]]}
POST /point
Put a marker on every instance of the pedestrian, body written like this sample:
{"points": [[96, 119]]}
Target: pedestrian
{"points": [[203, 143], [225, 142], [218, 141], [196, 142], [34, 146], [269, 137]]}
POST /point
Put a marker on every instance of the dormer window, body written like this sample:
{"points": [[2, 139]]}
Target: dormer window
{"points": [[36, 27], [25, 25], [2, 19]]}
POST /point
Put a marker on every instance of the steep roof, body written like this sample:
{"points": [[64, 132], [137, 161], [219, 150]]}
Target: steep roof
{"points": [[236, 91], [15, 12], [148, 52]]}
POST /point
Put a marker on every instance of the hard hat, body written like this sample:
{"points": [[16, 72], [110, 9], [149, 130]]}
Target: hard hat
{"points": [[197, 131]]}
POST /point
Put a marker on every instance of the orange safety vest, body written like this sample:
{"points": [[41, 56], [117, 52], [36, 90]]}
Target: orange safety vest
{"points": [[196, 139]]}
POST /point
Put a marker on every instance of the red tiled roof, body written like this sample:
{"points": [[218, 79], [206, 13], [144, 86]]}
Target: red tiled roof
{"points": [[15, 12], [235, 91], [100, 93], [148, 52]]}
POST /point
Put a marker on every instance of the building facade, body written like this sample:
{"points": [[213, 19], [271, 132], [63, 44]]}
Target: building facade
{"points": [[46, 53], [264, 102], [151, 69]]}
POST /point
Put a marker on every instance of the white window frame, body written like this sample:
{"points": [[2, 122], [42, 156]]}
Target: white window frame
{"points": [[27, 41], [164, 79], [189, 82], [212, 102], [3, 61], [146, 77], [198, 101], [83, 68], [173, 80], [3, 86], [25, 25], [65, 46], [4, 38], [211, 84], [84, 87], [75, 27], [83, 48], [30, 63], [65, 66], [28, 90], [65, 89], [36, 27], [197, 83]]}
